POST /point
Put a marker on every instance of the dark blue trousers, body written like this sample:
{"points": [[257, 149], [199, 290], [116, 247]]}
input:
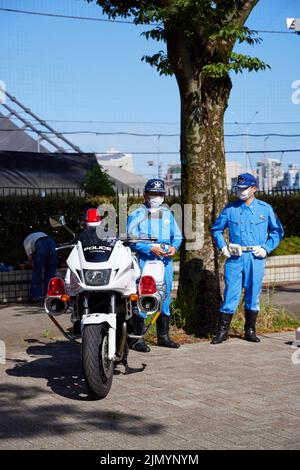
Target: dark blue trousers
{"points": [[44, 266]]}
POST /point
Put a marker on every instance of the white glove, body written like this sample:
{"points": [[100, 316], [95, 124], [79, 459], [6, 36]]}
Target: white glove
{"points": [[225, 251], [260, 252]]}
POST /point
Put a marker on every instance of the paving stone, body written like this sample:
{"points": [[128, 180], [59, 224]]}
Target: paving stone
{"points": [[236, 395]]}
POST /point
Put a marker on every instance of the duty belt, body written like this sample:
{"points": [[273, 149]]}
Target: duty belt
{"points": [[249, 248]]}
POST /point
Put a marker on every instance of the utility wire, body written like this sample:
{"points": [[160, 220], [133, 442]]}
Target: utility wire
{"points": [[82, 121], [136, 152], [88, 18], [275, 32], [262, 135], [137, 134], [70, 17], [264, 151]]}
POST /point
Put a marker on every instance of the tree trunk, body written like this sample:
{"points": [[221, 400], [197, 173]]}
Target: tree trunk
{"points": [[203, 104]]}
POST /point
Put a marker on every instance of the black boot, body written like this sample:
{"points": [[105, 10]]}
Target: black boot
{"points": [[162, 327], [138, 329], [223, 329], [250, 332]]}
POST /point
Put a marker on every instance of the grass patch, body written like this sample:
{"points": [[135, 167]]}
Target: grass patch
{"points": [[176, 334], [271, 319], [177, 324]]}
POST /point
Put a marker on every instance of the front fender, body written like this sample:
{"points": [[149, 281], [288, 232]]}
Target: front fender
{"points": [[97, 319]]}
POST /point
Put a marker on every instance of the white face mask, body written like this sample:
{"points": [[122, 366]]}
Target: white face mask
{"points": [[155, 201], [244, 194]]}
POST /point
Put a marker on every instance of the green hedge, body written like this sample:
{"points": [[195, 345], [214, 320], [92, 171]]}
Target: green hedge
{"points": [[288, 246], [20, 214]]}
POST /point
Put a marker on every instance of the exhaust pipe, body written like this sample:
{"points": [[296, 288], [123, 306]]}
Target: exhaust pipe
{"points": [[149, 303], [55, 306]]}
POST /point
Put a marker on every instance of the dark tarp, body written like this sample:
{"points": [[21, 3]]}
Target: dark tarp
{"points": [[44, 170], [13, 138]]}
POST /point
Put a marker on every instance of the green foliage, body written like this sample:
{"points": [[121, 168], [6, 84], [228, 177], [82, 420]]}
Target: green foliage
{"points": [[288, 246], [22, 215], [210, 27], [236, 63], [236, 33], [97, 182], [160, 61], [157, 34], [177, 316]]}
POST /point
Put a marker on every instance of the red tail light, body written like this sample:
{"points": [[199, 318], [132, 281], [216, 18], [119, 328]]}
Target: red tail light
{"points": [[56, 287], [92, 216], [147, 285]]}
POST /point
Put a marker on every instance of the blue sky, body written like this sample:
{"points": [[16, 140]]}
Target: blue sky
{"points": [[90, 71]]}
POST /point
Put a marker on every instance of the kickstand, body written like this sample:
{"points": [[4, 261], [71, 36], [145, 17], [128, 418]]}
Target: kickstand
{"points": [[125, 360]]}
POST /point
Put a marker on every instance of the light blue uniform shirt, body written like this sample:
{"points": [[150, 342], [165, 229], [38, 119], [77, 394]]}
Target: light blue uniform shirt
{"points": [[255, 224], [160, 224]]}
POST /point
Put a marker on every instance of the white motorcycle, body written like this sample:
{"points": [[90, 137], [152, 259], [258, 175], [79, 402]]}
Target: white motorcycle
{"points": [[103, 289]]}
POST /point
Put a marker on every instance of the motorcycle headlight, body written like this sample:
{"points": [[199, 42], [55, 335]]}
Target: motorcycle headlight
{"points": [[97, 277]]}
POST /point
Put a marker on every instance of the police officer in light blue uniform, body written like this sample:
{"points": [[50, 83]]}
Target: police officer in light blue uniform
{"points": [[254, 231], [152, 220]]}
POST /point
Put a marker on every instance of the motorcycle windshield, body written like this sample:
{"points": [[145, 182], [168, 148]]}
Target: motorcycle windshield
{"points": [[95, 250]]}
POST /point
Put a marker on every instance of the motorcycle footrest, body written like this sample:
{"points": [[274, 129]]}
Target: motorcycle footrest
{"points": [[135, 336]]}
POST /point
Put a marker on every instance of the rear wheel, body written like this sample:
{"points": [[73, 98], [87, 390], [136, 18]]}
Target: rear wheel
{"points": [[97, 368]]}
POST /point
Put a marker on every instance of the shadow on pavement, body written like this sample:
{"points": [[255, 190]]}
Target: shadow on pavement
{"points": [[61, 368], [27, 411], [288, 288], [282, 288], [28, 309]]}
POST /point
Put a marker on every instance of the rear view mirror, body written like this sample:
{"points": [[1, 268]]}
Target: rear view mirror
{"points": [[57, 221]]}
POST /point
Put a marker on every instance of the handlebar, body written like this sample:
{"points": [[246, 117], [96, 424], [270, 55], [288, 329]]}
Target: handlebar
{"points": [[70, 244], [126, 241], [138, 240]]}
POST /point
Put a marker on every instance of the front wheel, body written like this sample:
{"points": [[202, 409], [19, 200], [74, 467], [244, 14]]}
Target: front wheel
{"points": [[97, 368]]}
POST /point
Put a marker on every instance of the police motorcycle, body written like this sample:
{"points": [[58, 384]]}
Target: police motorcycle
{"points": [[102, 290]]}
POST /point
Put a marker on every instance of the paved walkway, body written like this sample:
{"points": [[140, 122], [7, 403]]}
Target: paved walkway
{"points": [[285, 296], [236, 395]]}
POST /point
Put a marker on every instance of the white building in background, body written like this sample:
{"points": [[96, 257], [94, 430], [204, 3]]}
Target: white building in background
{"points": [[119, 167], [270, 174], [114, 158], [173, 176], [292, 177], [233, 170]]}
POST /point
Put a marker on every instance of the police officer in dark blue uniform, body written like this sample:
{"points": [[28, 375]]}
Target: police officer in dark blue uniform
{"points": [[254, 231]]}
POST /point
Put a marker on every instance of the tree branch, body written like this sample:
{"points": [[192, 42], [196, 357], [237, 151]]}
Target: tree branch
{"points": [[179, 54], [245, 11]]}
